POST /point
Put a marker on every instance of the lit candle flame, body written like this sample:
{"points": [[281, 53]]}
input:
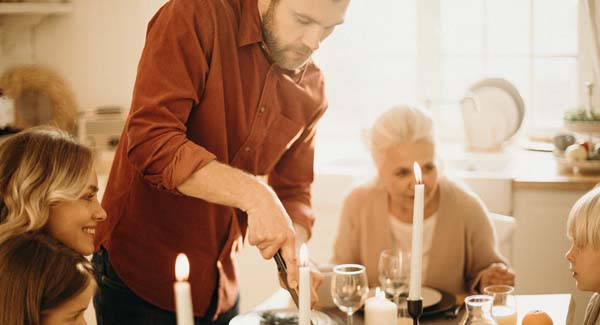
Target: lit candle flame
{"points": [[417, 170], [182, 267], [379, 294], [303, 255]]}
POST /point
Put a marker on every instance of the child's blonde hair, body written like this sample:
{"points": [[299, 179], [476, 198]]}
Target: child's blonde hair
{"points": [[583, 225], [39, 167]]}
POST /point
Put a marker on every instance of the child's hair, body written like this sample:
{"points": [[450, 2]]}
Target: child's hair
{"points": [[38, 273], [583, 225], [39, 167]]}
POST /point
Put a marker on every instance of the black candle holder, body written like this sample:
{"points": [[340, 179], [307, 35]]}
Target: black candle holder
{"points": [[415, 309]]}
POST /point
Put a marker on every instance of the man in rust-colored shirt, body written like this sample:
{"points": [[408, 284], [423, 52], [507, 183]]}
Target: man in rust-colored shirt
{"points": [[225, 92]]}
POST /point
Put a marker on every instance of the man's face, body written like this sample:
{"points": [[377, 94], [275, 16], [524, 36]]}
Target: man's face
{"points": [[293, 29]]}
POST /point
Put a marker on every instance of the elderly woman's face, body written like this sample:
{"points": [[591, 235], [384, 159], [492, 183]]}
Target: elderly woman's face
{"points": [[396, 172]]}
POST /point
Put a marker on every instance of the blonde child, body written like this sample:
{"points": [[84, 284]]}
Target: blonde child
{"points": [[583, 228]]}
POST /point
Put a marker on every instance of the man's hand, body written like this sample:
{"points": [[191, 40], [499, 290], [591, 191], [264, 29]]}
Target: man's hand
{"points": [[269, 226], [316, 278], [496, 273], [270, 229]]}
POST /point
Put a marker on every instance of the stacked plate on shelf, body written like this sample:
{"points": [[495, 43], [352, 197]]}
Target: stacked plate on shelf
{"points": [[493, 111]]}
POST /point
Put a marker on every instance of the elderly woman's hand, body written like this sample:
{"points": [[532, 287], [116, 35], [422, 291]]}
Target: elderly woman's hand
{"points": [[496, 273]]}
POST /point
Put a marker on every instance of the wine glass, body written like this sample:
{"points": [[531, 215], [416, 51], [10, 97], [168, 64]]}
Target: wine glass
{"points": [[349, 288], [504, 308], [394, 272]]}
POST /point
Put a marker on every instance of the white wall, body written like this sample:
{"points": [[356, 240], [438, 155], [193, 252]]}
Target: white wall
{"points": [[96, 48]]}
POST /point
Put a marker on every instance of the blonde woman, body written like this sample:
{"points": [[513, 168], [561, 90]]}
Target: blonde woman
{"points": [[48, 184], [43, 282], [459, 252]]}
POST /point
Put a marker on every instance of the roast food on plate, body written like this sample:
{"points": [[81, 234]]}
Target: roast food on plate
{"points": [[271, 318], [288, 316]]}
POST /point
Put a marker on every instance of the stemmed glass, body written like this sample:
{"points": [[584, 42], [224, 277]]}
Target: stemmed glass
{"points": [[349, 288], [394, 269]]}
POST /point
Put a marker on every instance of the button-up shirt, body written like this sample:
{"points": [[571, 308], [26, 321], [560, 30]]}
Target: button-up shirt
{"points": [[206, 89]]}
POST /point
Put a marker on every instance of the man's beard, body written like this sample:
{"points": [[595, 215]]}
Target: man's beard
{"points": [[278, 51]]}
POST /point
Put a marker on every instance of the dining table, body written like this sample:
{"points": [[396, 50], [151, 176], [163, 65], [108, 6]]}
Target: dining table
{"points": [[559, 306]]}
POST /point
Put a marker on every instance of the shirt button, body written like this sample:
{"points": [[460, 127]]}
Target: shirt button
{"points": [[262, 109], [247, 149]]}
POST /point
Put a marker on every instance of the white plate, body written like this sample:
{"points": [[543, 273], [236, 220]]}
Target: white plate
{"points": [[254, 317], [493, 112], [430, 296]]}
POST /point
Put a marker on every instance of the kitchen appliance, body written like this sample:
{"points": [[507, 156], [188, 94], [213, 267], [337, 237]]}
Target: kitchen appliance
{"points": [[101, 128]]}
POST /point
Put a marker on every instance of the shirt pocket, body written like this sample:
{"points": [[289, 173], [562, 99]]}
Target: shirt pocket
{"points": [[280, 136]]}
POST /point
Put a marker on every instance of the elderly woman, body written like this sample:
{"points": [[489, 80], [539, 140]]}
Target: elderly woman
{"points": [[459, 251]]}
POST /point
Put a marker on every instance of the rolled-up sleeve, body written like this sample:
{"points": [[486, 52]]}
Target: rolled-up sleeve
{"points": [[171, 77]]}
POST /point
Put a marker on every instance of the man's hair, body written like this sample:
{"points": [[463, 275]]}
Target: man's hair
{"points": [[583, 224], [37, 274], [39, 167]]}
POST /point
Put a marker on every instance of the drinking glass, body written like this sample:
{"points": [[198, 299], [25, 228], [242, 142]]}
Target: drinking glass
{"points": [[504, 308], [479, 311], [394, 273], [349, 288]]}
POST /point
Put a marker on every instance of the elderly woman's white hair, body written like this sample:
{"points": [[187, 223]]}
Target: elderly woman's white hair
{"points": [[398, 125]]}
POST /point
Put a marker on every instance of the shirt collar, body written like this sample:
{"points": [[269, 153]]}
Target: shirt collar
{"points": [[250, 30]]}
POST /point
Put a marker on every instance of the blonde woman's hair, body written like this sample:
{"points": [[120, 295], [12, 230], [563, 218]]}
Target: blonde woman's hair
{"points": [[38, 274], [398, 125], [39, 167], [583, 224]]}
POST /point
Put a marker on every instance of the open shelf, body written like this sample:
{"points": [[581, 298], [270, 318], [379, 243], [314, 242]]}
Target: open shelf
{"points": [[34, 8]]}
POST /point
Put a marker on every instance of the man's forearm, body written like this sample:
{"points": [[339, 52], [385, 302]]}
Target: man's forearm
{"points": [[222, 184]]}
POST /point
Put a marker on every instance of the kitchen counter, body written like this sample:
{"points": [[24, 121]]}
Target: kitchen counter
{"points": [[539, 170]]}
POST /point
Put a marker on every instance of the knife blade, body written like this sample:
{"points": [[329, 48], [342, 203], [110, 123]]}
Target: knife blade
{"points": [[282, 269]]}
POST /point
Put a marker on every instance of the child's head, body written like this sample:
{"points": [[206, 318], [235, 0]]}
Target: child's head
{"points": [[48, 183], [43, 282], [583, 228]]}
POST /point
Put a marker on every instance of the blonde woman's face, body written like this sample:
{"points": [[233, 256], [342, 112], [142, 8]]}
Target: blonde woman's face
{"points": [[74, 222], [71, 312], [396, 172], [584, 263]]}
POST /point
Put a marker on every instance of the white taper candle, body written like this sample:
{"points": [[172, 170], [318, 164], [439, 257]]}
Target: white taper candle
{"points": [[414, 292], [183, 291], [304, 299]]}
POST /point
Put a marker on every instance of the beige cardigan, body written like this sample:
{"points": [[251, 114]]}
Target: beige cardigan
{"points": [[463, 242]]}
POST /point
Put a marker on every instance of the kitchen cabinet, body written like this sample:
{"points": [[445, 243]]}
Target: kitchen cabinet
{"points": [[541, 242]]}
